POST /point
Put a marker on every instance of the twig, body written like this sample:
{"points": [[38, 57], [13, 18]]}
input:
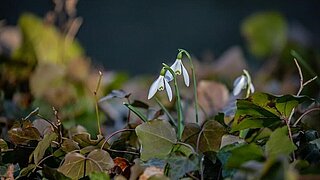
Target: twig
{"points": [[304, 114], [120, 151], [302, 85], [113, 134], [188, 145]]}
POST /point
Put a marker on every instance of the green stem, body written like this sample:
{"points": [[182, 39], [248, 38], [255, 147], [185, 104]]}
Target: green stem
{"points": [[137, 112], [179, 107], [194, 84], [171, 120]]}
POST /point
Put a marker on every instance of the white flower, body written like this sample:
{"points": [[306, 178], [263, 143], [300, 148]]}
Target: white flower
{"points": [[177, 66], [242, 82], [159, 85]]}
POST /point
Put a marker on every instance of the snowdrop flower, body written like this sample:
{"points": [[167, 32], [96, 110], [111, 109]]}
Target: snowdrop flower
{"points": [[159, 85], [177, 66], [243, 82]]}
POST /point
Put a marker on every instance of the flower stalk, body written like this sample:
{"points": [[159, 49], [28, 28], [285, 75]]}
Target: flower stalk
{"points": [[178, 103], [195, 94]]}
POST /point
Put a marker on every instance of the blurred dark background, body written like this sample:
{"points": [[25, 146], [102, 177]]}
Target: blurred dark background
{"points": [[136, 36]]}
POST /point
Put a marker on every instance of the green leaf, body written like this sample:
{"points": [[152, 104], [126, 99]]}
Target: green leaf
{"points": [[244, 153], [157, 138], [264, 110], [210, 137], [42, 146], [266, 33], [84, 139], [76, 165], [180, 165], [279, 143], [99, 176]]}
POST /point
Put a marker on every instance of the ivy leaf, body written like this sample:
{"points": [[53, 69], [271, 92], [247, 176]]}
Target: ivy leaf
{"points": [[69, 145], [279, 143], [264, 110], [22, 135], [210, 137], [157, 138], [180, 165], [84, 140], [42, 146], [76, 165], [244, 153]]}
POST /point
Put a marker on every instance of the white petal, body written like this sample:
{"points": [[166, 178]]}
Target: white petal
{"points": [[176, 66], [168, 89], [168, 76], [236, 81], [239, 84], [185, 75], [154, 87], [251, 88]]}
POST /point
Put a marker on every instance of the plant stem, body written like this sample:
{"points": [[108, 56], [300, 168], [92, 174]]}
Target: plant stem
{"points": [[179, 107], [195, 91], [171, 120]]}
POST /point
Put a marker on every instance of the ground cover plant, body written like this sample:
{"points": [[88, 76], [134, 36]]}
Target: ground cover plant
{"points": [[57, 111]]}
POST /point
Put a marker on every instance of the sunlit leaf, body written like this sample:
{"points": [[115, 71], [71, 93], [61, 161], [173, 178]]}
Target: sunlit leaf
{"points": [[42, 146], [264, 110], [157, 138], [76, 165], [279, 143]]}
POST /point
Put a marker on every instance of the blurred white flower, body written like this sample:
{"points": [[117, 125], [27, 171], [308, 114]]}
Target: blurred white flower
{"points": [[243, 82], [177, 66], [159, 85]]}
